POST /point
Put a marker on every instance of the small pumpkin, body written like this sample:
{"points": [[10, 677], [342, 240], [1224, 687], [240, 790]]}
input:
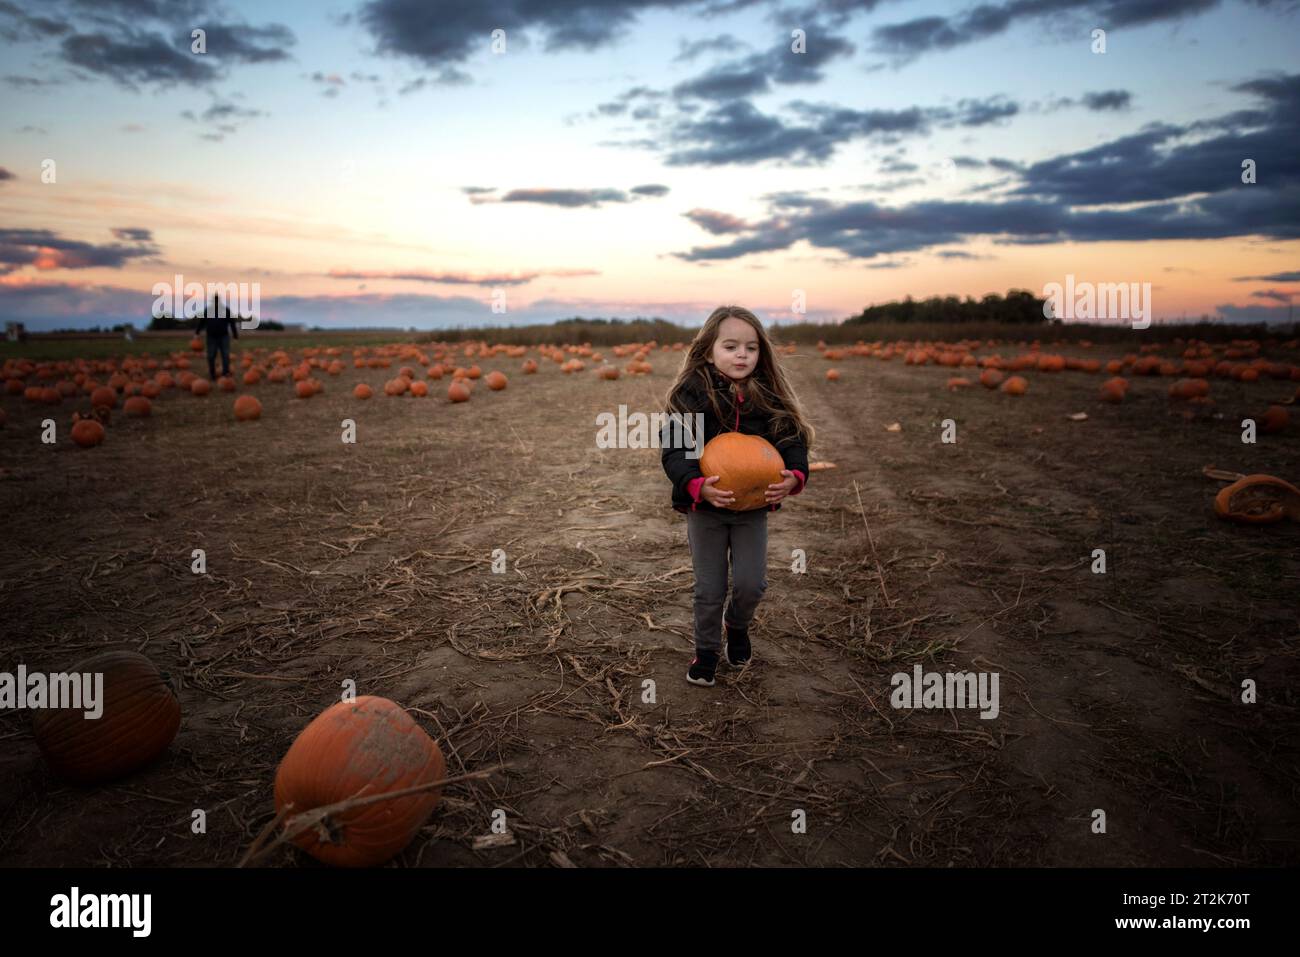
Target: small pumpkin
{"points": [[1258, 500], [139, 406], [991, 378], [457, 392], [104, 396], [1016, 385], [363, 391], [746, 466], [832, 375], [247, 408], [1275, 419], [496, 381], [304, 389], [87, 433], [140, 719], [200, 386], [357, 749]]}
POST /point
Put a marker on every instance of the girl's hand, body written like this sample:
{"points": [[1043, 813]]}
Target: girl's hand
{"points": [[780, 490], [718, 497]]}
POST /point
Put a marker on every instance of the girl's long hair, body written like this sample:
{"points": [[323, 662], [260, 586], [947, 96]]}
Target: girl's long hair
{"points": [[767, 389]]}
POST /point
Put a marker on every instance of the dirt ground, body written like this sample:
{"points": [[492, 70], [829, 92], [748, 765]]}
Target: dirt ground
{"points": [[373, 562]]}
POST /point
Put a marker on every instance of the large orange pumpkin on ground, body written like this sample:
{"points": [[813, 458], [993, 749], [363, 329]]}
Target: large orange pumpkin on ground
{"points": [[357, 749], [496, 381], [140, 717], [200, 386], [746, 466]]}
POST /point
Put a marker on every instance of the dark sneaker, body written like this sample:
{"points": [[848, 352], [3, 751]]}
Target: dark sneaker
{"points": [[703, 668], [738, 652]]}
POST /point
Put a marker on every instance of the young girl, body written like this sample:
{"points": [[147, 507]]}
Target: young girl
{"points": [[732, 375]]}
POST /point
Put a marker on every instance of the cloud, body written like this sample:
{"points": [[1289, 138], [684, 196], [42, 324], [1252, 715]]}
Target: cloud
{"points": [[133, 56], [716, 222], [1164, 161], [1277, 295], [216, 113], [568, 198], [737, 133], [864, 230], [45, 250], [29, 82], [447, 76], [138, 43], [1232, 313], [458, 278], [907, 39], [245, 43], [724, 43], [1108, 100], [1272, 277]]}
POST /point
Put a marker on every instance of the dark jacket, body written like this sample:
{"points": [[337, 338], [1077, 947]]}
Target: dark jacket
{"points": [[218, 327], [681, 469]]}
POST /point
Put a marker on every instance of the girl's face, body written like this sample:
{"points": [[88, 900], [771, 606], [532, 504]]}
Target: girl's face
{"points": [[735, 351]]}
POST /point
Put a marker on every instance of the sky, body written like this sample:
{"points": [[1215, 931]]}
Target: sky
{"points": [[407, 163]]}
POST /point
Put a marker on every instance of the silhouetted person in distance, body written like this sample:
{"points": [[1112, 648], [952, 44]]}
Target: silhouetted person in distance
{"points": [[219, 324]]}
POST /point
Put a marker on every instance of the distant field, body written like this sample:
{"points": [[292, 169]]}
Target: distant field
{"points": [[103, 345]]}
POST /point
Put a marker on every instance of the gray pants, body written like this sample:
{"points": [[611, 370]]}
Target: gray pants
{"points": [[711, 535]]}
